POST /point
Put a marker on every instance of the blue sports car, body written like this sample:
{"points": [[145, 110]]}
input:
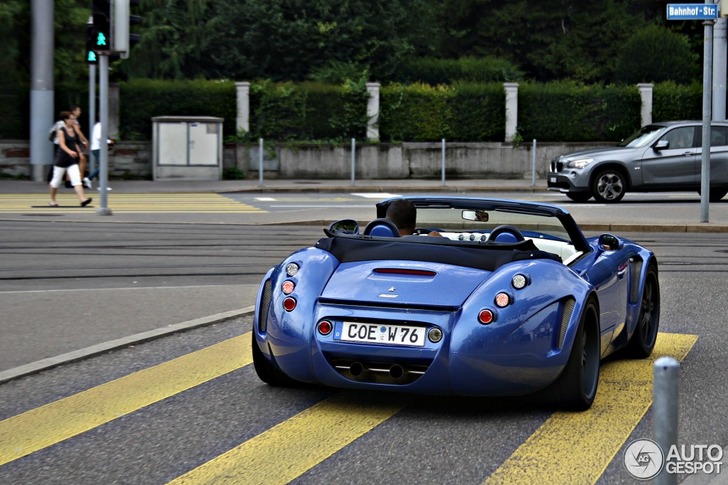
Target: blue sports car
{"points": [[510, 299]]}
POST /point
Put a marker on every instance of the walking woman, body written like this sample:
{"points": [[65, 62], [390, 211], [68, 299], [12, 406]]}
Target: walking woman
{"points": [[67, 158]]}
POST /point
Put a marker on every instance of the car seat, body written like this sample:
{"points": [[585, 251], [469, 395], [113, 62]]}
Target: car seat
{"points": [[382, 228]]}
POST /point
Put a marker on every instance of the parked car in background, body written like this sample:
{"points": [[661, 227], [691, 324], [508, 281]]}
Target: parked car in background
{"points": [[659, 157]]}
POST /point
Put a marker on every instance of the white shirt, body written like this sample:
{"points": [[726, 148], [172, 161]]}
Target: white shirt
{"points": [[96, 137]]}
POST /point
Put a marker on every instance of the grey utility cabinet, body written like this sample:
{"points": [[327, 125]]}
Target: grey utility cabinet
{"points": [[187, 147]]}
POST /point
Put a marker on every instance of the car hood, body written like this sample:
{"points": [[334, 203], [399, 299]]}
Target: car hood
{"points": [[599, 153], [403, 283]]}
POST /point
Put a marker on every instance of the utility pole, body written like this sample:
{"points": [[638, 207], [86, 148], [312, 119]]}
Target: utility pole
{"points": [[41, 86]]}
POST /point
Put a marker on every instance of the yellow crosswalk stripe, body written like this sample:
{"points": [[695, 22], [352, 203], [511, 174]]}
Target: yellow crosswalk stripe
{"points": [[127, 203], [296, 445], [47, 425], [578, 447], [567, 448]]}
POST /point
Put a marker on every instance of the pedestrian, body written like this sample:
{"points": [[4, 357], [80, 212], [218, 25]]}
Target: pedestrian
{"points": [[67, 159], [95, 149], [76, 112]]}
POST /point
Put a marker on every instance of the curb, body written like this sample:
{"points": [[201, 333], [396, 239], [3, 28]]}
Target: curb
{"points": [[45, 364]]}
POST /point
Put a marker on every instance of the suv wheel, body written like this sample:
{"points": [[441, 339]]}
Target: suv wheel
{"points": [[609, 186]]}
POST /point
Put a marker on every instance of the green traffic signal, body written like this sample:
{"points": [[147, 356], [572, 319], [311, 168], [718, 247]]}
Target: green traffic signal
{"points": [[101, 40]]}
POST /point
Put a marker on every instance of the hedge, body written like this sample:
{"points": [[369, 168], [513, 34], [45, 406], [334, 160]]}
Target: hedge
{"points": [[460, 111]]}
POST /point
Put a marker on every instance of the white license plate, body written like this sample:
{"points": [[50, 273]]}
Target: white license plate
{"points": [[552, 180], [378, 333]]}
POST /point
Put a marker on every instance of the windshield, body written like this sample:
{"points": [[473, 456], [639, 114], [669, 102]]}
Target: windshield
{"points": [[484, 221], [643, 137]]}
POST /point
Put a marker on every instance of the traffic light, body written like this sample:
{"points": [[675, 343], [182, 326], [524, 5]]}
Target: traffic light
{"points": [[123, 39], [101, 28], [90, 55]]}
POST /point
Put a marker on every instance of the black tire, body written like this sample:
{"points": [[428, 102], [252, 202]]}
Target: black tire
{"points": [[643, 339], [576, 387], [267, 371], [717, 194], [609, 186], [579, 196]]}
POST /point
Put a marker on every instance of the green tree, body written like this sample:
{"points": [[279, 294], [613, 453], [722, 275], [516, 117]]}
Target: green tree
{"points": [[655, 54], [175, 40], [289, 39]]}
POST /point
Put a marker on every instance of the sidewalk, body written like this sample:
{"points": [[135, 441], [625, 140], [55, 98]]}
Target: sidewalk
{"points": [[656, 212]]}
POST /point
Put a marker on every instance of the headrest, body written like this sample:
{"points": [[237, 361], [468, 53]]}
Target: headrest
{"points": [[382, 228]]}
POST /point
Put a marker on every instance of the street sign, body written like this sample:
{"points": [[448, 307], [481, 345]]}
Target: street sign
{"points": [[692, 11]]}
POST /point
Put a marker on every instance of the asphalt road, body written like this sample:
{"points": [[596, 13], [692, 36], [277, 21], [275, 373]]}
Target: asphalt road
{"points": [[155, 411]]}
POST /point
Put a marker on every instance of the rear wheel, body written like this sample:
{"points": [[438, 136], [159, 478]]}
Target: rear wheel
{"points": [[576, 387], [717, 194], [648, 321], [609, 186], [579, 196]]}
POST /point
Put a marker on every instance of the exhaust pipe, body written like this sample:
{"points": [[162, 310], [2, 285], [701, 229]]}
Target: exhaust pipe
{"points": [[356, 369], [396, 371]]}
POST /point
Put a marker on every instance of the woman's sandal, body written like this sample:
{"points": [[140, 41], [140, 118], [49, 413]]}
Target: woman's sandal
{"points": [[52, 204], [86, 202]]}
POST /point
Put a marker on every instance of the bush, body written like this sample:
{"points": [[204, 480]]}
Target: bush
{"points": [[656, 54], [574, 112], [433, 71], [146, 98]]}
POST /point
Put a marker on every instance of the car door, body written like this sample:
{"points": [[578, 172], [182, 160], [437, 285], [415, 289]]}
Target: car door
{"points": [[718, 156], [677, 165]]}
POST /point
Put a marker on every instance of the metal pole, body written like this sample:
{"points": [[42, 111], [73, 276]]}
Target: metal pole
{"points": [[665, 410], [41, 87], [260, 162], [353, 161], [91, 113], [103, 147], [443, 162], [533, 164], [720, 48], [707, 84]]}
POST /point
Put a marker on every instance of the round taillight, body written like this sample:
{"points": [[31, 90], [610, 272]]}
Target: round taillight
{"points": [[502, 300], [519, 281], [486, 316], [292, 269], [289, 304], [435, 335], [287, 287], [325, 327]]}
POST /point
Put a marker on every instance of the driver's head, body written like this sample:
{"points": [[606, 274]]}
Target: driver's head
{"points": [[404, 215]]}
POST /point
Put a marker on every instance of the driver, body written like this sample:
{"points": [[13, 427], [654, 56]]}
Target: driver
{"points": [[403, 214]]}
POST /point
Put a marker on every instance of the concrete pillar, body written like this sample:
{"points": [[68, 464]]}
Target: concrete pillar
{"points": [[720, 48], [373, 112], [511, 111], [242, 122], [646, 109]]}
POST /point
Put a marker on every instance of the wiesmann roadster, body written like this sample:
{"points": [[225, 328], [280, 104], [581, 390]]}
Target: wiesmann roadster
{"points": [[511, 299]]}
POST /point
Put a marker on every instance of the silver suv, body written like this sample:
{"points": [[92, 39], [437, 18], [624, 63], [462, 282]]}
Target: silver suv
{"points": [[659, 157]]}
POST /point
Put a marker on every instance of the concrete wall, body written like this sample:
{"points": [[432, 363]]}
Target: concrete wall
{"points": [[133, 160]]}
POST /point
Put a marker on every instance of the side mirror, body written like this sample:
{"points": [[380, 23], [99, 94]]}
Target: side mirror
{"points": [[344, 226], [609, 242], [662, 145]]}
